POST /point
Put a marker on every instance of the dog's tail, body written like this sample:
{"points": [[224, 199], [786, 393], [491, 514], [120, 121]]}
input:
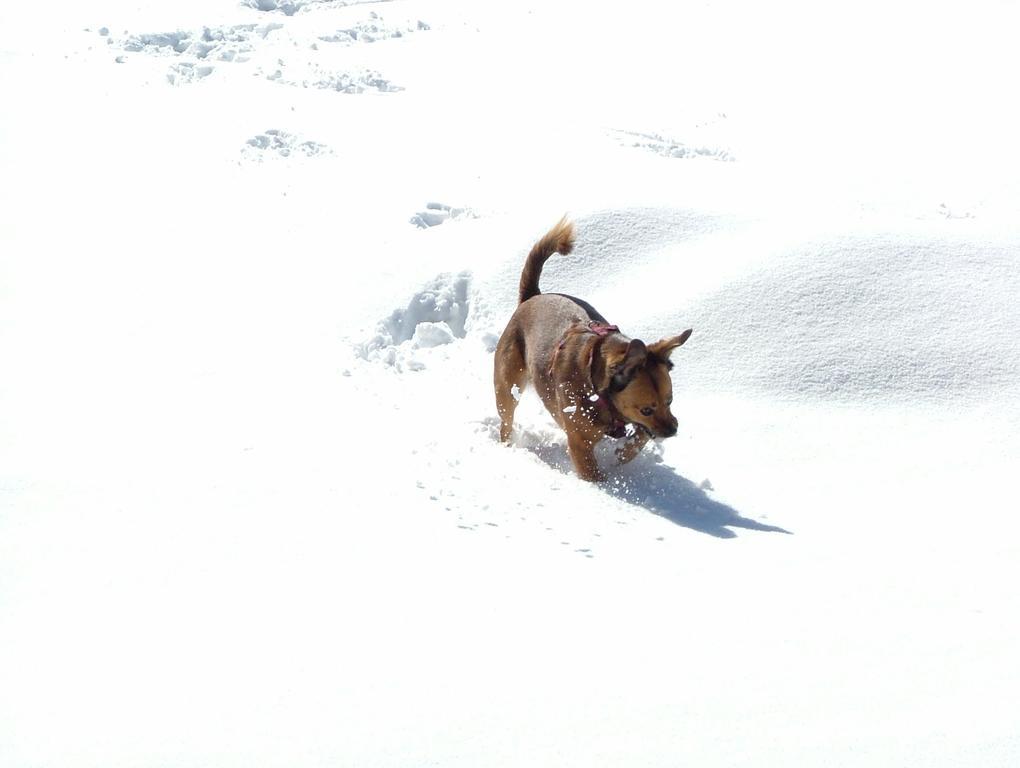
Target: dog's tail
{"points": [[559, 239]]}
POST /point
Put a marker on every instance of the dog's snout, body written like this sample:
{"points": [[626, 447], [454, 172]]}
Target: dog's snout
{"points": [[669, 431]]}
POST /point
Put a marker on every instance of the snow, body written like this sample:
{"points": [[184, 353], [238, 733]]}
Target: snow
{"points": [[254, 259]]}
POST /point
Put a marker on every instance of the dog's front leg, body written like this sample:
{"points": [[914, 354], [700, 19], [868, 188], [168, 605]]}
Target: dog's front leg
{"points": [[581, 450], [632, 447]]}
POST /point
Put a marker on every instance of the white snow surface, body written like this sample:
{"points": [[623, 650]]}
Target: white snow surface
{"points": [[254, 260]]}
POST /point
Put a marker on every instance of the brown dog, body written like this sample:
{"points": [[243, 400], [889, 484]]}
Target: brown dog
{"points": [[594, 380]]}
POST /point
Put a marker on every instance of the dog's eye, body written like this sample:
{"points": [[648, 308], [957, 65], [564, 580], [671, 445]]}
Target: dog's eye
{"points": [[646, 411], [670, 401]]}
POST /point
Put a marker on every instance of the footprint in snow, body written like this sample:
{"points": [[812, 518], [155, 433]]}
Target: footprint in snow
{"points": [[196, 51], [372, 30], [661, 145], [275, 142], [347, 82], [439, 213]]}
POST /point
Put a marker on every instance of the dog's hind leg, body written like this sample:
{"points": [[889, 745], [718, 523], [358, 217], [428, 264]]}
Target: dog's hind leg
{"points": [[509, 378]]}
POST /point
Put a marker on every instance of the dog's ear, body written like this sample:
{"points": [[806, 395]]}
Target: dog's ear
{"points": [[623, 371], [663, 348]]}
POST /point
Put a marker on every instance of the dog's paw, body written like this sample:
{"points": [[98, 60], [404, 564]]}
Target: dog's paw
{"points": [[631, 446], [626, 453]]}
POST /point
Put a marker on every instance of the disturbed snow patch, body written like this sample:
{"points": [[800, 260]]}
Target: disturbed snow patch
{"points": [[438, 213], [290, 7], [286, 7], [667, 147], [372, 30], [314, 75], [187, 72], [275, 142], [434, 317], [210, 43], [352, 82], [196, 51]]}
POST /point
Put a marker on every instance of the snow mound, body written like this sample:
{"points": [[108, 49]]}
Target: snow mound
{"points": [[613, 247], [616, 238], [859, 316], [435, 316]]}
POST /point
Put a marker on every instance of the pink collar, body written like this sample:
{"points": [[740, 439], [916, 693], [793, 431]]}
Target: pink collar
{"points": [[602, 329], [605, 410]]}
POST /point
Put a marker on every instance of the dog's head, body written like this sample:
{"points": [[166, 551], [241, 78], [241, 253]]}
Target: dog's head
{"points": [[639, 384]]}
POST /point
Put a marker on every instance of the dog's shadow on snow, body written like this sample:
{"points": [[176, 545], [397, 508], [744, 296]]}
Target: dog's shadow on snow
{"points": [[648, 483]]}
